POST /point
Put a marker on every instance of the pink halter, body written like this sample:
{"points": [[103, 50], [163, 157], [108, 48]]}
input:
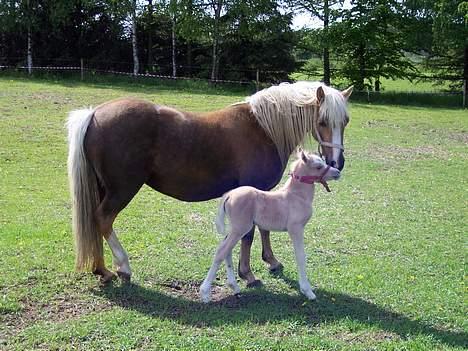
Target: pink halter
{"points": [[308, 179]]}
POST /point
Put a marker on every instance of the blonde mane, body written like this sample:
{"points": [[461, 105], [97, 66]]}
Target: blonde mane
{"points": [[287, 111]]}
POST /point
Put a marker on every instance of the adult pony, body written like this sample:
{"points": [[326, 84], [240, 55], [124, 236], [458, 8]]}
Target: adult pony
{"points": [[120, 145]]}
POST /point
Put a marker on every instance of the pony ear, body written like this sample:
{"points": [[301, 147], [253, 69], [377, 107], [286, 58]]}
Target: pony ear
{"points": [[320, 95], [347, 93]]}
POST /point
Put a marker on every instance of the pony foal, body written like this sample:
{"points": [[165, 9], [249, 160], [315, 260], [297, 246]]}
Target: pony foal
{"points": [[287, 209]]}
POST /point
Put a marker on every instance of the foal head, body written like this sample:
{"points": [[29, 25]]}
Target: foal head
{"points": [[311, 168]]}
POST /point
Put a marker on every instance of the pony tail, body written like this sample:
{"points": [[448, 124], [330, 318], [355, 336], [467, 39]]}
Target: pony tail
{"points": [[84, 194], [220, 224]]}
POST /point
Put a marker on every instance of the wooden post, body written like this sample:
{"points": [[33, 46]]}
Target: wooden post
{"points": [[465, 93], [257, 80], [465, 77], [82, 68]]}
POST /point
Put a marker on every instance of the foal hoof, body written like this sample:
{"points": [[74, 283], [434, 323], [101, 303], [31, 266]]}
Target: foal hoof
{"points": [[278, 269], [124, 277], [255, 284]]}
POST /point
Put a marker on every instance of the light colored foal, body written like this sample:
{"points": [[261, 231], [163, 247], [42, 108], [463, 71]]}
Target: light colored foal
{"points": [[287, 209]]}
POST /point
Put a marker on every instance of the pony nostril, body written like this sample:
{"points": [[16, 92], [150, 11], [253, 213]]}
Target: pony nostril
{"points": [[332, 163]]}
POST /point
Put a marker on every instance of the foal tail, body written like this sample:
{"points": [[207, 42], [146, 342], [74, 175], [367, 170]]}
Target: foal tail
{"points": [[84, 194], [220, 225]]}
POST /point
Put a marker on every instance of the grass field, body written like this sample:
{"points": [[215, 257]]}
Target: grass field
{"points": [[386, 249]]}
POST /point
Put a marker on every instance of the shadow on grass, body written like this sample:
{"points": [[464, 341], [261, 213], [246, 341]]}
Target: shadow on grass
{"points": [[261, 306]]}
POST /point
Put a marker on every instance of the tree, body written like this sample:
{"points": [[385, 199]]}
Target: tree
{"points": [[450, 49], [372, 43], [321, 9]]}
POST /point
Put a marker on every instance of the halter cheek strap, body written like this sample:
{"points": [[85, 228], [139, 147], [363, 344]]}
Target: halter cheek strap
{"points": [[308, 179], [319, 137]]}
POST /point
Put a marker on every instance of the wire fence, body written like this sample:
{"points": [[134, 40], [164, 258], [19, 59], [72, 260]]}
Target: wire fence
{"points": [[84, 69]]}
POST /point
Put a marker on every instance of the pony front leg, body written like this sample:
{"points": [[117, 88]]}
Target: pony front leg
{"points": [[120, 257], [297, 238]]}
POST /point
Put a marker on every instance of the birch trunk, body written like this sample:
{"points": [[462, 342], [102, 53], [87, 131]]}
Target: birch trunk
{"points": [[326, 50], [30, 51], [217, 6], [136, 64], [150, 35]]}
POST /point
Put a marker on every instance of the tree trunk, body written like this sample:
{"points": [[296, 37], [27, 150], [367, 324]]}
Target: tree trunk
{"points": [[174, 63], [377, 85], [136, 64], [189, 58], [362, 67], [30, 50], [217, 12], [326, 50], [150, 36]]}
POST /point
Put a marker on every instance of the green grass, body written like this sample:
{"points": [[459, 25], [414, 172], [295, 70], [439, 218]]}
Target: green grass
{"points": [[385, 248]]}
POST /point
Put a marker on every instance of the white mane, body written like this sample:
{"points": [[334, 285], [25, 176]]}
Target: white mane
{"points": [[286, 112]]}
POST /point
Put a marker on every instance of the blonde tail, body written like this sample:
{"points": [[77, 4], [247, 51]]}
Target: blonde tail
{"points": [[220, 225], [84, 194]]}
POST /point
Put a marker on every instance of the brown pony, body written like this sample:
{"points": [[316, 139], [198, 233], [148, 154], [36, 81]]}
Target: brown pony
{"points": [[120, 145]]}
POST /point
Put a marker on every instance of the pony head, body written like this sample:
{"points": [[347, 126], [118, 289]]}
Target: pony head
{"points": [[330, 124], [290, 113]]}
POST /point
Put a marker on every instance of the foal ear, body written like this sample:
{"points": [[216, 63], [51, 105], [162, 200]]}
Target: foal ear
{"points": [[320, 95], [347, 93]]}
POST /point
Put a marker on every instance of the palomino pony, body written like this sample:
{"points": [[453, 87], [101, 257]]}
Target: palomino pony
{"points": [[287, 209], [120, 145]]}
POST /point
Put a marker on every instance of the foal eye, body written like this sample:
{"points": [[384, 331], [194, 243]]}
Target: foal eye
{"points": [[319, 166], [322, 124]]}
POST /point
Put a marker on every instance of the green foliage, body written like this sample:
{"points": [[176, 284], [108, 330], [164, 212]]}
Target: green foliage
{"points": [[370, 43]]}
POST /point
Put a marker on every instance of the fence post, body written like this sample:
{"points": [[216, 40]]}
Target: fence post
{"points": [[82, 68], [257, 80], [465, 93]]}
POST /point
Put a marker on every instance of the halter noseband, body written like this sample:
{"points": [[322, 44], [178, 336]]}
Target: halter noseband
{"points": [[308, 179], [319, 137]]}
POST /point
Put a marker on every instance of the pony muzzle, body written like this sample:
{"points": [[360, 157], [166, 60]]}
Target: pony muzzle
{"points": [[338, 163]]}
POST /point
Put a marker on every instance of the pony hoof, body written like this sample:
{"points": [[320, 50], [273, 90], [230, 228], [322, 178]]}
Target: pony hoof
{"points": [[124, 277], [107, 279], [278, 269], [255, 284]]}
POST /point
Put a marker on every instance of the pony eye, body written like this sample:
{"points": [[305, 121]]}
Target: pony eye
{"points": [[320, 166], [322, 124]]}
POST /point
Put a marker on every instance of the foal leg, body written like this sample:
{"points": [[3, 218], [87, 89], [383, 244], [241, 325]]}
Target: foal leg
{"points": [[297, 238], [224, 248], [244, 270], [231, 277], [267, 252]]}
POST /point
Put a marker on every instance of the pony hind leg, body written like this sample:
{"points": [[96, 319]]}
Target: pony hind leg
{"points": [[120, 258], [106, 213], [244, 270], [267, 252]]}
